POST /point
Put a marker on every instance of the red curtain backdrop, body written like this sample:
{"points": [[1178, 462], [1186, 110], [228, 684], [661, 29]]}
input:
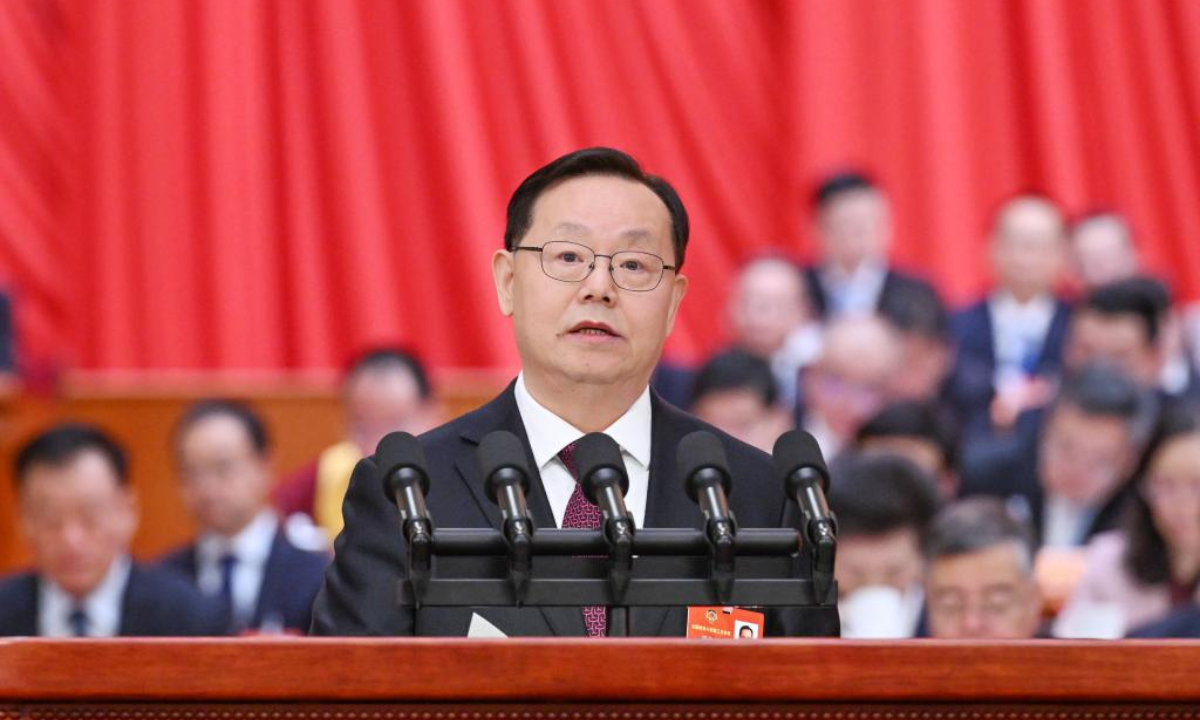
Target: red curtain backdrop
{"points": [[272, 184]]}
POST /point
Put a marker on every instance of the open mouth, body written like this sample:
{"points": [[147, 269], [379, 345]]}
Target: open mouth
{"points": [[588, 329]]}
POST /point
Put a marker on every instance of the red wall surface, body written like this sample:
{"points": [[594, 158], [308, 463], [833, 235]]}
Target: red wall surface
{"points": [[272, 184]]}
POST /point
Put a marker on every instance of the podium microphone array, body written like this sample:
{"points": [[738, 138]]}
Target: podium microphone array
{"points": [[703, 470]]}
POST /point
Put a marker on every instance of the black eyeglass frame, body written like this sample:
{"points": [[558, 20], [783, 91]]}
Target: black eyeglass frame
{"points": [[592, 267]]}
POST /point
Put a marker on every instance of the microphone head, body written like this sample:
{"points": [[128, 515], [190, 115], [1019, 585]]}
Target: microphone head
{"points": [[400, 450], [797, 449], [596, 451], [699, 450], [500, 450]]}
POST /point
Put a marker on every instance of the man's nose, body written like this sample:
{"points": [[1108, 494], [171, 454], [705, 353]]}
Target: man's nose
{"points": [[599, 285]]}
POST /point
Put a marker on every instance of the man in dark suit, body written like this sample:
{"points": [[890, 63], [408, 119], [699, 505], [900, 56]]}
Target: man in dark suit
{"points": [[243, 557], [79, 515], [1010, 344], [854, 229], [590, 276]]}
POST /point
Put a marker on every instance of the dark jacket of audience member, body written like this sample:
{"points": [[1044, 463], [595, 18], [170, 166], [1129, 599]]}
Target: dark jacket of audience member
{"points": [[157, 603], [291, 579]]}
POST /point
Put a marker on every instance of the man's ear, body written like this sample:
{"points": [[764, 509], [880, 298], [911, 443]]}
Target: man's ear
{"points": [[678, 290], [502, 275]]}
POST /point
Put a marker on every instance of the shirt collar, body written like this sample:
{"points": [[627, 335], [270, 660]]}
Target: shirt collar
{"points": [[251, 545], [548, 433], [102, 604], [1003, 303]]}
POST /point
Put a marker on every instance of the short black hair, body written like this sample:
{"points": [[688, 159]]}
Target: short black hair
{"points": [[592, 161], [736, 369], [915, 419], [873, 494], [1099, 389], [254, 426], [840, 183], [916, 309], [1146, 298], [62, 443], [388, 358], [975, 524]]}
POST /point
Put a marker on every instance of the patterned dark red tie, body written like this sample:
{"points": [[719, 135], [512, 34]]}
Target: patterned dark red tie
{"points": [[581, 513]]}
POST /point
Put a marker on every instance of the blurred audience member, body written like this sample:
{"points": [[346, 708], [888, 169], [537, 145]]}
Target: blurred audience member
{"points": [[1151, 566], [1010, 344], [920, 432], [1076, 481], [849, 383], [79, 516], [883, 505], [922, 327], [979, 581], [384, 390], [735, 391], [1127, 323], [770, 316], [242, 557], [854, 232], [1102, 249]]}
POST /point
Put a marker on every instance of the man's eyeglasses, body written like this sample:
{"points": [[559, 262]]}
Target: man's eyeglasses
{"points": [[571, 262]]}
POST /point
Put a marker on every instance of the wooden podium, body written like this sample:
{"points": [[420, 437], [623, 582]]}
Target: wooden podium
{"points": [[431, 679]]}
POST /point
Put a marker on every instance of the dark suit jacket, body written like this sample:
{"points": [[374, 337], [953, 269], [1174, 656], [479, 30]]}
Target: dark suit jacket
{"points": [[158, 603], [1183, 623], [971, 381], [290, 581], [896, 285], [359, 595]]}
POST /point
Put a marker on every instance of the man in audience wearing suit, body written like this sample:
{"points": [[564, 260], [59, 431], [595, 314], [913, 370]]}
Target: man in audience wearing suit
{"points": [[854, 231], [590, 275], [79, 515], [1010, 343], [243, 558]]}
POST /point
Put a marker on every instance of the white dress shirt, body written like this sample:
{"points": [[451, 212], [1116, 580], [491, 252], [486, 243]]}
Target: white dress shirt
{"points": [[102, 605], [1018, 334], [856, 292], [548, 434], [251, 547], [1065, 523]]}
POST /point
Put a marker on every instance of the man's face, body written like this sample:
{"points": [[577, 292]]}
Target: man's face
{"points": [[742, 413], [1084, 458], [78, 518], [1027, 248], [891, 559], [987, 594], [851, 381], [854, 226], [384, 400], [769, 302], [591, 332], [1119, 340], [1103, 252], [224, 481]]}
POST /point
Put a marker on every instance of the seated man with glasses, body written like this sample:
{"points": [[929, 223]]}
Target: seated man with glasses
{"points": [[590, 276], [979, 581]]}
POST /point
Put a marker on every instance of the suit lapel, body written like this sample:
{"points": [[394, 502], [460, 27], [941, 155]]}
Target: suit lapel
{"points": [[666, 503], [273, 581], [564, 621]]}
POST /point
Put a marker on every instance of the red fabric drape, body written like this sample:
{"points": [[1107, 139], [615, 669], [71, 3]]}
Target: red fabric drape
{"points": [[272, 184]]}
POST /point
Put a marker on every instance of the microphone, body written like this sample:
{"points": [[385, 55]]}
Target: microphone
{"points": [[406, 481], [505, 470], [799, 462], [604, 481], [707, 479]]}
